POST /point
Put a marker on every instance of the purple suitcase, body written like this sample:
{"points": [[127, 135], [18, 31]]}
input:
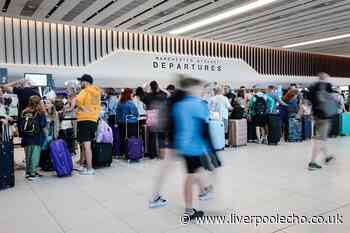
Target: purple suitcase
{"points": [[61, 158], [134, 149], [134, 145]]}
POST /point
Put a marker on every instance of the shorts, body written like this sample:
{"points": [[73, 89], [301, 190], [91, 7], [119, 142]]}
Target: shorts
{"points": [[193, 163], [86, 131], [322, 127], [259, 120]]}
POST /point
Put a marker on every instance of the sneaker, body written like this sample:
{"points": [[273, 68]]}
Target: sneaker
{"points": [[27, 175], [157, 203], [203, 196], [38, 175], [329, 159], [79, 168], [87, 172], [33, 178], [194, 214], [314, 166]]}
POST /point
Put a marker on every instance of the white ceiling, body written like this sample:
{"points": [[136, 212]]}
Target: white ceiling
{"points": [[281, 23]]}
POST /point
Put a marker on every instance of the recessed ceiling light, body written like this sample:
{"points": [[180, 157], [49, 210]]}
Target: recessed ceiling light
{"points": [[317, 41], [222, 16]]}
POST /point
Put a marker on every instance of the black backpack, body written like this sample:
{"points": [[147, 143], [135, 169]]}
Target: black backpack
{"points": [[259, 107], [237, 111], [29, 124]]}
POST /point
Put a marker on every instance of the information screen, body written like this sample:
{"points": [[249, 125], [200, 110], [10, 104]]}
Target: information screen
{"points": [[38, 80]]}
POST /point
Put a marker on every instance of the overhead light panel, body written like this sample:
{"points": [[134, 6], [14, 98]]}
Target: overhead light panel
{"points": [[221, 16], [317, 41]]}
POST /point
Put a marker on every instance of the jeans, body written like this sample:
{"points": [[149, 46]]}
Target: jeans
{"points": [[32, 153]]}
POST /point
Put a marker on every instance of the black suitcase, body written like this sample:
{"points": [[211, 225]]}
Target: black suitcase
{"points": [[102, 155], [7, 173], [275, 127]]}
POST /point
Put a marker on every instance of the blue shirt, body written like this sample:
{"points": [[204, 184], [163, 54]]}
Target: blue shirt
{"points": [[126, 109], [189, 116]]}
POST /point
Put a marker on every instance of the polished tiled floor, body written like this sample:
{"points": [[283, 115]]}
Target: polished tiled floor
{"points": [[255, 180]]}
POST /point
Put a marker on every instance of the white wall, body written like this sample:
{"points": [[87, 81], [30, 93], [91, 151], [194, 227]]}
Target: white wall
{"points": [[131, 69]]}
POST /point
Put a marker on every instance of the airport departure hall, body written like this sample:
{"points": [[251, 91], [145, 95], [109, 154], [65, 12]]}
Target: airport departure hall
{"points": [[174, 116]]}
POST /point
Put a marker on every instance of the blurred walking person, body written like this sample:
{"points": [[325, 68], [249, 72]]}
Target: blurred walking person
{"points": [[191, 115], [324, 108]]}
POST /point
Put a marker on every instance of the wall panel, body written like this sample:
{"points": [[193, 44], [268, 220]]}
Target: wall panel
{"points": [[2, 40], [68, 45], [61, 44], [87, 44], [74, 39], [9, 40], [17, 41], [47, 45], [40, 42]]}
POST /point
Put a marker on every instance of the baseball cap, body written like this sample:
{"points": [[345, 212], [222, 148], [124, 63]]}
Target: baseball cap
{"points": [[86, 78]]}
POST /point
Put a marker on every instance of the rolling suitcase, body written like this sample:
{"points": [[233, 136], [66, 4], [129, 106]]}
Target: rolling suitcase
{"points": [[345, 124], [102, 154], [217, 134], [275, 127], [61, 158], [134, 149], [294, 130], [7, 174], [307, 127], [237, 132]]}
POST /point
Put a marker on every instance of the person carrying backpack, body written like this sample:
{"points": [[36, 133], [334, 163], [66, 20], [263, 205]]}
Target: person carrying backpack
{"points": [[33, 125], [258, 115], [324, 108]]}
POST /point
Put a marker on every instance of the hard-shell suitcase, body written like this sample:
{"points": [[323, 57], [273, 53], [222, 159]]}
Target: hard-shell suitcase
{"points": [[102, 154], [275, 128], [237, 132], [134, 149], [217, 134], [294, 130], [7, 175], [307, 127], [61, 158], [345, 124]]}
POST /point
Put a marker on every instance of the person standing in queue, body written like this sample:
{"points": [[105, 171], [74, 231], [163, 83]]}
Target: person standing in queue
{"points": [[24, 90], [88, 104]]}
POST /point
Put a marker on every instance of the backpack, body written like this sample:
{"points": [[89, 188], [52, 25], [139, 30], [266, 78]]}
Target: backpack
{"points": [[293, 105], [29, 125], [328, 104], [259, 107], [237, 112]]}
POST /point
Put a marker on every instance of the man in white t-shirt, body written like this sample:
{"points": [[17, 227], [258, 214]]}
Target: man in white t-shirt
{"points": [[220, 104]]}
